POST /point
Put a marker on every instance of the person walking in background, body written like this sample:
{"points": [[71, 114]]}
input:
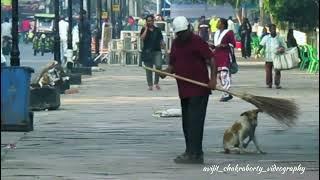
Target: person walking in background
{"points": [[213, 25], [189, 58], [63, 33], [255, 27], [224, 40], [25, 27], [264, 32], [204, 29], [231, 26], [195, 25], [245, 34], [291, 41], [6, 38], [75, 36], [151, 53], [273, 45], [3, 60], [131, 23], [141, 23], [6, 28]]}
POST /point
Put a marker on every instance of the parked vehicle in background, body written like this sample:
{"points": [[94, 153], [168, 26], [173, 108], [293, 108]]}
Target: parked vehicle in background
{"points": [[43, 39]]}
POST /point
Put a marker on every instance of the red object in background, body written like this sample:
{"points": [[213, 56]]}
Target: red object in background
{"points": [[238, 45]]}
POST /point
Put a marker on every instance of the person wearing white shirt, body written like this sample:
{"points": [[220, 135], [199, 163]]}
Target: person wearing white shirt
{"points": [[75, 37], [6, 28], [273, 45], [3, 59], [63, 33], [231, 25]]}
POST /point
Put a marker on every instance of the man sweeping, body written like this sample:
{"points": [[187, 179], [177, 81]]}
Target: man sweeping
{"points": [[189, 58]]}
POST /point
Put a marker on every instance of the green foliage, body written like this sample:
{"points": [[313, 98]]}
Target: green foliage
{"points": [[234, 3], [302, 13]]}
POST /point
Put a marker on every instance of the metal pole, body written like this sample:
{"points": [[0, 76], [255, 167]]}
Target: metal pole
{"points": [[70, 24], [261, 13], [99, 4], [15, 53], [89, 9], [158, 6], [57, 55], [89, 19], [81, 58]]}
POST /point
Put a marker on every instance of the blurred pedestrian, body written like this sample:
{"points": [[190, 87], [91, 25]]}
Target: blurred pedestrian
{"points": [[25, 27], [3, 59], [189, 58], [195, 26], [224, 42], [291, 41], [204, 28], [151, 53], [141, 23], [63, 33], [245, 34], [6, 28], [213, 25], [231, 26], [6, 37], [264, 32], [273, 45], [131, 23], [255, 27]]}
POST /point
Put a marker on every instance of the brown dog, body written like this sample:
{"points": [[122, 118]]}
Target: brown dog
{"points": [[233, 139]]}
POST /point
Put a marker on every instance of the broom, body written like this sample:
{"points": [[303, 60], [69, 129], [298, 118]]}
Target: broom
{"points": [[283, 110]]}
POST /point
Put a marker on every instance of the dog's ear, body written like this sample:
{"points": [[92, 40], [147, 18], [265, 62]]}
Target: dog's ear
{"points": [[244, 114]]}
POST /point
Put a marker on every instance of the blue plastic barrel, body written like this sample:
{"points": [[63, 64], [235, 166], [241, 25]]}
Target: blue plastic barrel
{"points": [[15, 95]]}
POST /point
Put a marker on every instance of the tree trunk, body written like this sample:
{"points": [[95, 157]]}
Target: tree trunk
{"points": [[261, 13], [238, 15], [272, 19]]}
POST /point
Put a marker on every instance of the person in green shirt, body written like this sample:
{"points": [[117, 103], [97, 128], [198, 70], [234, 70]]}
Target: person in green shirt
{"points": [[213, 25]]}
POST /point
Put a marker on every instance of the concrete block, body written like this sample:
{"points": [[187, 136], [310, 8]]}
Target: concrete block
{"points": [[62, 85], [74, 78], [82, 70], [44, 98]]}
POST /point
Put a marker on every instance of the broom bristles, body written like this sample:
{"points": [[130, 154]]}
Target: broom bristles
{"points": [[283, 110]]}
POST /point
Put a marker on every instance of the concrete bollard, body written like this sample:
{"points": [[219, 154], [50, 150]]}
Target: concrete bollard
{"points": [[82, 70], [62, 85], [74, 78], [44, 98]]}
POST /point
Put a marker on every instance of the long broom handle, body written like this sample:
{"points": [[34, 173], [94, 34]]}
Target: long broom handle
{"points": [[187, 80]]}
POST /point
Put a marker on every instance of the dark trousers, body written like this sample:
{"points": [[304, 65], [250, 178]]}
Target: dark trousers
{"points": [[246, 46], [157, 62], [277, 76], [193, 116]]}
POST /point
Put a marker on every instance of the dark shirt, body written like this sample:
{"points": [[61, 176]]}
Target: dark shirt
{"points": [[291, 42], [245, 30], [189, 60], [153, 39]]}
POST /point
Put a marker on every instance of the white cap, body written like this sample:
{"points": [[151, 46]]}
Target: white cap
{"points": [[180, 23]]}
